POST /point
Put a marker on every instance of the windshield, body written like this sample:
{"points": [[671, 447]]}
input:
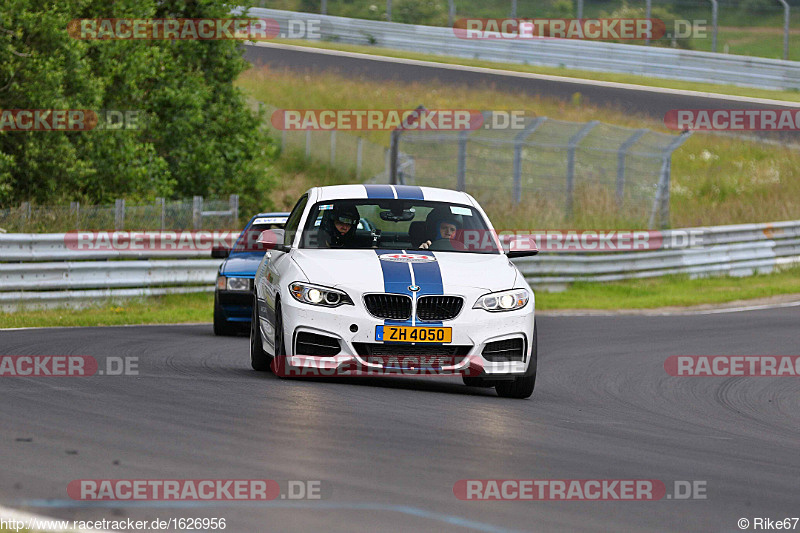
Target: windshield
{"points": [[248, 239], [398, 225]]}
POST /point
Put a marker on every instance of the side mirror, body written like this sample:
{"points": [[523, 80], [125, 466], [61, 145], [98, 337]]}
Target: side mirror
{"points": [[520, 246], [220, 253], [273, 239]]}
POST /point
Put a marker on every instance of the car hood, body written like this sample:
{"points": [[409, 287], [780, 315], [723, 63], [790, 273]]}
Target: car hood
{"points": [[242, 264], [388, 271]]}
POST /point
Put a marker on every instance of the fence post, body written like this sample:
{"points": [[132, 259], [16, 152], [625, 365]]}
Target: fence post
{"points": [[571, 148], [389, 10], [283, 141], [387, 163], [359, 151], [519, 140], [513, 9], [25, 208], [785, 28], [234, 203], [75, 208], [714, 24], [119, 214], [621, 155], [333, 148], [461, 178], [451, 12], [324, 8], [579, 13], [161, 212], [394, 148], [661, 201], [197, 212], [308, 144]]}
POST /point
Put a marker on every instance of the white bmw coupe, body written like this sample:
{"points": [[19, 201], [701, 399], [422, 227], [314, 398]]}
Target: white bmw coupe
{"points": [[370, 277]]}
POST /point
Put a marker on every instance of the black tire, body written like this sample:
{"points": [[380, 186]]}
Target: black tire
{"points": [[221, 326], [522, 387], [259, 359], [279, 361]]}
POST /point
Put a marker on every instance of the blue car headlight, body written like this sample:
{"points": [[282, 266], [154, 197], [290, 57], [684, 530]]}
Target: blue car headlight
{"points": [[308, 293], [503, 301], [234, 284]]}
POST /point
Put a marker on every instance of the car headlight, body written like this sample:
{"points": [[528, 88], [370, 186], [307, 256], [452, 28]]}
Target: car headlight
{"points": [[318, 295], [503, 301], [233, 284]]}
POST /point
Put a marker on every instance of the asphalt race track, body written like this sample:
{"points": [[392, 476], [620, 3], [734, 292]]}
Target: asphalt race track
{"points": [[390, 450], [650, 102]]}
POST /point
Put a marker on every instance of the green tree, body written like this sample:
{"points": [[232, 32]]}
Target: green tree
{"points": [[197, 134]]}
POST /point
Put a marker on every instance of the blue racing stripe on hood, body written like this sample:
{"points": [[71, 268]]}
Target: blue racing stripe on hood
{"points": [[429, 279], [396, 279]]}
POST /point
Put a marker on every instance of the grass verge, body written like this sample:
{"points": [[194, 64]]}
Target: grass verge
{"points": [[167, 309], [733, 90], [668, 291]]}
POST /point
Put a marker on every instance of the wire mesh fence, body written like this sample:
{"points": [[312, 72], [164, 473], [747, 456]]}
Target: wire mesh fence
{"points": [[551, 171], [347, 152], [197, 213]]}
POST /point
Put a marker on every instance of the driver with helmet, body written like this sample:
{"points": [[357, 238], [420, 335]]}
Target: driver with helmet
{"points": [[338, 227]]}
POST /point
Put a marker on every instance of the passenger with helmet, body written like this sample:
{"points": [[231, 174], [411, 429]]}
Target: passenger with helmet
{"points": [[441, 225], [338, 226]]}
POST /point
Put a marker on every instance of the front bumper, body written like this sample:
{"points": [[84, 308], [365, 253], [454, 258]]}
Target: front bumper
{"points": [[236, 306], [472, 330]]}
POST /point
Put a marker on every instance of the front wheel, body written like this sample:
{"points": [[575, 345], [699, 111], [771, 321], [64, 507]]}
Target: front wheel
{"points": [[522, 387], [221, 326], [279, 361], [259, 359]]}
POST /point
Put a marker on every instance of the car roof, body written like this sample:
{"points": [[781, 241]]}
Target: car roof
{"points": [[409, 192], [270, 215]]}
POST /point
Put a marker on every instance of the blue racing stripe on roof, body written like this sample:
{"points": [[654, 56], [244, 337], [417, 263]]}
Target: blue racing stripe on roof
{"points": [[379, 191], [409, 192]]}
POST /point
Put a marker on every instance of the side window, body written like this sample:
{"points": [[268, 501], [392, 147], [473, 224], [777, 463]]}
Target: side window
{"points": [[292, 223]]}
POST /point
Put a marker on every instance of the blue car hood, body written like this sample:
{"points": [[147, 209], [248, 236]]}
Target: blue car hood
{"points": [[242, 264]]}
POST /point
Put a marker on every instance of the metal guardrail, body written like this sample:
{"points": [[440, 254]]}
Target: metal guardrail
{"points": [[39, 270], [671, 63]]}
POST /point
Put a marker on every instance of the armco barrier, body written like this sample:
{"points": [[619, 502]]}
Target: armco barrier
{"points": [[39, 270], [655, 61]]}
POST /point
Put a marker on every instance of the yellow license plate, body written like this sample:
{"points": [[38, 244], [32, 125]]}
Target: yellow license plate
{"points": [[413, 334]]}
